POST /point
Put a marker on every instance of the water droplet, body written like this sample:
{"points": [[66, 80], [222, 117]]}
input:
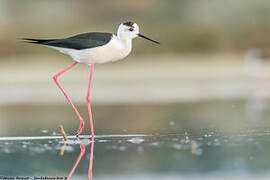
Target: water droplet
{"points": [[199, 152], [104, 140], [171, 123], [177, 146], [136, 140], [155, 144], [122, 148], [85, 141], [69, 149], [45, 131], [140, 148]]}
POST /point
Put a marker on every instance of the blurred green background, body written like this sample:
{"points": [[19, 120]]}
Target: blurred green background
{"points": [[183, 26]]}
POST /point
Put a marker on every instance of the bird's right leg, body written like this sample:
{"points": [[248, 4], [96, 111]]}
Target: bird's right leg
{"points": [[80, 130]]}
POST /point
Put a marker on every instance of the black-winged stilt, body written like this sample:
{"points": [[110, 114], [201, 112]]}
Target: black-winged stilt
{"points": [[91, 48]]}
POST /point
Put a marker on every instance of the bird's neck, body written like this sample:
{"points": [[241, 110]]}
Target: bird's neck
{"points": [[127, 45], [126, 42]]}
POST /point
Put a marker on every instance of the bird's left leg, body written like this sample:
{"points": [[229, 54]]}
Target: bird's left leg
{"points": [[68, 99], [88, 103], [82, 147]]}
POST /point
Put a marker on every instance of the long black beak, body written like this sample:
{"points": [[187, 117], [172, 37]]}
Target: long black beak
{"points": [[142, 36]]}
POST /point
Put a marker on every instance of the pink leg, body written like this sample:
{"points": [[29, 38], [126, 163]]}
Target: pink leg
{"points": [[90, 169], [82, 147], [80, 130], [88, 103]]}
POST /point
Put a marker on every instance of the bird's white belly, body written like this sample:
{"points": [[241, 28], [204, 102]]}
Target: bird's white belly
{"points": [[112, 51]]}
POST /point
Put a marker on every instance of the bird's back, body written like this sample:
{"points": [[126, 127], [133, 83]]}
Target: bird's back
{"points": [[112, 51], [78, 42]]}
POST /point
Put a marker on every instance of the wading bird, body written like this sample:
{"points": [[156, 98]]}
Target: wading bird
{"points": [[92, 48]]}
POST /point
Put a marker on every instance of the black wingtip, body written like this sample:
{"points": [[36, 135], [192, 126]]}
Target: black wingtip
{"points": [[36, 41], [28, 40]]}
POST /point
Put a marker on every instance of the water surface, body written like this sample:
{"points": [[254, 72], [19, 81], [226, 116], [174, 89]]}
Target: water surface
{"points": [[206, 140]]}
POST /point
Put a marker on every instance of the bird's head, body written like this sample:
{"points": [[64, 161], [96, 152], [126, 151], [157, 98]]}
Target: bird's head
{"points": [[130, 30]]}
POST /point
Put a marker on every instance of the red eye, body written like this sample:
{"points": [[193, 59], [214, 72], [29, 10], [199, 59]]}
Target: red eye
{"points": [[130, 29]]}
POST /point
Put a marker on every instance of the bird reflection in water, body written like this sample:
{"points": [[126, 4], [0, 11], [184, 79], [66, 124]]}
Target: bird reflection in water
{"points": [[82, 148]]}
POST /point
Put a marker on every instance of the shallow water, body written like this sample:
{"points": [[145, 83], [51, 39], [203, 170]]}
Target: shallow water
{"points": [[206, 140]]}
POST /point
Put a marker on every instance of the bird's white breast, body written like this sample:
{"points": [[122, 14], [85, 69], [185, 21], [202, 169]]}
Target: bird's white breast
{"points": [[115, 50]]}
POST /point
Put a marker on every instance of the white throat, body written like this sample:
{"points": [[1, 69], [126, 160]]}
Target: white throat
{"points": [[125, 44]]}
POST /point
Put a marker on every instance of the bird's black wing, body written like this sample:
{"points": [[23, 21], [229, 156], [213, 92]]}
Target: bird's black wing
{"points": [[80, 41]]}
